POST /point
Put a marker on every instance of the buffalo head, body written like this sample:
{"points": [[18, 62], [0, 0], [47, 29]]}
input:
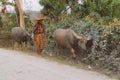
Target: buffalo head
{"points": [[29, 38], [85, 43]]}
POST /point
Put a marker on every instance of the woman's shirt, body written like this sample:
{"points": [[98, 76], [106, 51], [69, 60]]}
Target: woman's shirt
{"points": [[38, 29]]}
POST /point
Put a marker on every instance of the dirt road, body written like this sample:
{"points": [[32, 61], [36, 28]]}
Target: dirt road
{"points": [[15, 65]]}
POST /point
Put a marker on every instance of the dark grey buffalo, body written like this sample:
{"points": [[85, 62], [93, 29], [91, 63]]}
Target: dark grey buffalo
{"points": [[20, 36], [69, 39]]}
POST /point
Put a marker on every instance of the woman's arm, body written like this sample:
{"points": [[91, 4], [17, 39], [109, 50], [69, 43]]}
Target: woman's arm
{"points": [[34, 28]]}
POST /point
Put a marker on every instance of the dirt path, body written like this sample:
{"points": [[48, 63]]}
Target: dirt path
{"points": [[15, 65]]}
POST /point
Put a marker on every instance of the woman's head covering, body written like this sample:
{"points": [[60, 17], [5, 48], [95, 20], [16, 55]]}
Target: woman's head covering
{"points": [[39, 19]]}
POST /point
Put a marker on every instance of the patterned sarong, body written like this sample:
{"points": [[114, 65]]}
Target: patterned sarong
{"points": [[39, 41]]}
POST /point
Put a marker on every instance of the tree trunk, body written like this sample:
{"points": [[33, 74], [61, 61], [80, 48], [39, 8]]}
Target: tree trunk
{"points": [[18, 5]]}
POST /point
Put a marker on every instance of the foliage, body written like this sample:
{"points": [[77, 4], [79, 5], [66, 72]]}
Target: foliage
{"points": [[112, 32], [104, 52], [8, 22], [52, 8], [102, 7], [28, 24], [6, 2], [115, 6], [1, 23], [74, 6]]}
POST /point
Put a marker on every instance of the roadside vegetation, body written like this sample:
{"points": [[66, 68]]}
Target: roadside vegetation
{"points": [[99, 19]]}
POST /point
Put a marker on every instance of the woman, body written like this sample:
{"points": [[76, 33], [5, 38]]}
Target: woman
{"points": [[39, 35]]}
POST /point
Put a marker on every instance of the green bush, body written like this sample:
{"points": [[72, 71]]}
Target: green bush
{"points": [[106, 48]]}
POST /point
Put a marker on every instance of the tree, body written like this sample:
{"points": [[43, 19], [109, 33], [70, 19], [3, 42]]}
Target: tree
{"points": [[102, 7], [73, 5], [18, 10], [18, 5], [53, 8]]}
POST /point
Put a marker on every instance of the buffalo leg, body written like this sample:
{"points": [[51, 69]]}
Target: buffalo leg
{"points": [[12, 44], [57, 47], [73, 53], [26, 46], [21, 46]]}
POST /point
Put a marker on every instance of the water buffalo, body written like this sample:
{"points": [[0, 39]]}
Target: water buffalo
{"points": [[69, 39], [20, 36]]}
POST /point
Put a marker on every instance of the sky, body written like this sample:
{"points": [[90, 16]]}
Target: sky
{"points": [[32, 5]]}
